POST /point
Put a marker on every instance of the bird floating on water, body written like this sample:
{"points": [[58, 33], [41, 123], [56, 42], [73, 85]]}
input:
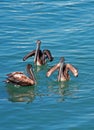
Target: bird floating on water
{"points": [[63, 70], [19, 78], [40, 56]]}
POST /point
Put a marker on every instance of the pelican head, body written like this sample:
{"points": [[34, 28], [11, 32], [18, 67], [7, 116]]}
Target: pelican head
{"points": [[61, 68], [30, 72], [62, 60], [38, 42]]}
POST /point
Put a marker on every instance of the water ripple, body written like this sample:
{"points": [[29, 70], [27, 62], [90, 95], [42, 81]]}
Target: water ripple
{"points": [[66, 29]]}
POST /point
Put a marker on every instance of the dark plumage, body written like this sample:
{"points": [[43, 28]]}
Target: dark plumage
{"points": [[40, 56]]}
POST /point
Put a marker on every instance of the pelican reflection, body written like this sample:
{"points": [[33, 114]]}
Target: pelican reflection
{"points": [[63, 90], [20, 94]]}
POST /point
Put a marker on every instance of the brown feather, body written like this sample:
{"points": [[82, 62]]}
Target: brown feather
{"points": [[20, 78], [48, 54], [29, 55]]}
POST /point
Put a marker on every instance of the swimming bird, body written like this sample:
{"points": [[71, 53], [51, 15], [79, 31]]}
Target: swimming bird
{"points": [[19, 78], [40, 56], [63, 70]]}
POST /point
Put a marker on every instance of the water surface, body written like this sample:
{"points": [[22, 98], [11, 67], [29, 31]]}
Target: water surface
{"points": [[66, 28]]}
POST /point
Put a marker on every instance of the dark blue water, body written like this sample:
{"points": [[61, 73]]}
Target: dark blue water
{"points": [[66, 28]]}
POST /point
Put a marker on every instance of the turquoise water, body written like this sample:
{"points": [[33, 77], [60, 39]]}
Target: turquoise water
{"points": [[66, 28]]}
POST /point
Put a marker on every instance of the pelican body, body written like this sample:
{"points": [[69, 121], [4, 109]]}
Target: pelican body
{"points": [[63, 70], [19, 78], [40, 56]]}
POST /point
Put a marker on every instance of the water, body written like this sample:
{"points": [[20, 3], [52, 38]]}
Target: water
{"points": [[66, 28]]}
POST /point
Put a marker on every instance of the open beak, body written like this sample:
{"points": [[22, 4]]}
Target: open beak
{"points": [[36, 53]]}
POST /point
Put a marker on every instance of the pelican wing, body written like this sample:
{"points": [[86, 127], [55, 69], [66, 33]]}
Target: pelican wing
{"points": [[19, 79], [13, 73], [48, 54], [72, 69], [29, 55], [52, 69]]}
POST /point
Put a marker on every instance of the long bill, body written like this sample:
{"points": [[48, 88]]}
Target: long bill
{"points": [[60, 71], [36, 53]]}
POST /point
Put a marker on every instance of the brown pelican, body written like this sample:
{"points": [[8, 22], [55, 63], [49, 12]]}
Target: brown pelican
{"points": [[63, 70], [40, 56], [19, 78]]}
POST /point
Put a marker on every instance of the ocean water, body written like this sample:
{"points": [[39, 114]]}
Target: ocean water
{"points": [[66, 28]]}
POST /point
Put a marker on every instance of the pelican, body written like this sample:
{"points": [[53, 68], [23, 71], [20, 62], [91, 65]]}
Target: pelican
{"points": [[19, 78], [40, 56], [63, 70]]}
